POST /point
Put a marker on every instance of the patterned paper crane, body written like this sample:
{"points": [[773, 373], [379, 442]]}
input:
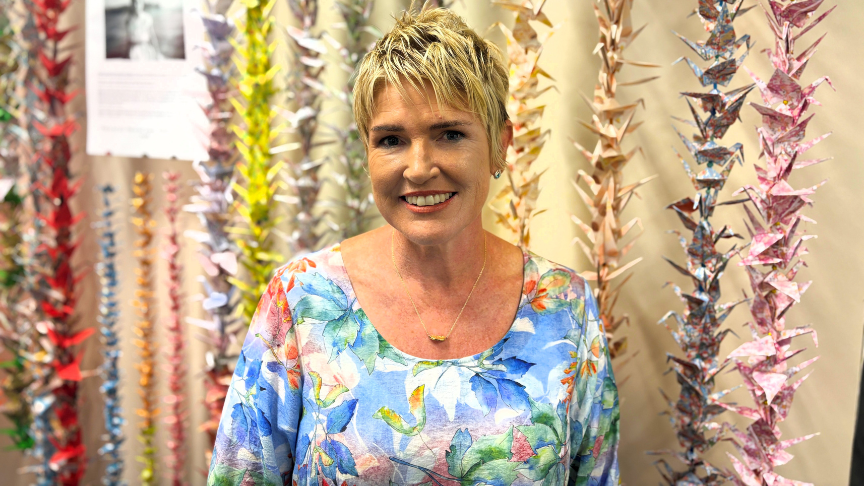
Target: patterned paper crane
{"points": [[698, 332], [777, 248], [607, 195], [213, 203]]}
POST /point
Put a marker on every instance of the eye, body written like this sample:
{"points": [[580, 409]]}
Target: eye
{"points": [[453, 136], [389, 141]]}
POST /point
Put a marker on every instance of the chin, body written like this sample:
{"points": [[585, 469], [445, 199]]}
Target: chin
{"points": [[428, 233], [432, 229]]}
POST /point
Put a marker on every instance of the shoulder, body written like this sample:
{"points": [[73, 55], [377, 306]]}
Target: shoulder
{"points": [[321, 262], [273, 317], [289, 276], [543, 276], [320, 259]]}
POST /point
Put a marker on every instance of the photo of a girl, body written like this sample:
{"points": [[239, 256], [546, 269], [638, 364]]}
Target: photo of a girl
{"points": [[144, 30]]}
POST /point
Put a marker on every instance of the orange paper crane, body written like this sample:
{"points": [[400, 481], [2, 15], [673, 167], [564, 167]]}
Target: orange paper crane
{"points": [[607, 195], [144, 305], [524, 47]]}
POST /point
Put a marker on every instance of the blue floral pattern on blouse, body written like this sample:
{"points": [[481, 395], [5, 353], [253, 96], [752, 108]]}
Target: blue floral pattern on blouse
{"points": [[318, 397]]}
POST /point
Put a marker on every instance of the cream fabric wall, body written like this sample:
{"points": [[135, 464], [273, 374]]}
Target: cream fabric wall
{"points": [[833, 305]]}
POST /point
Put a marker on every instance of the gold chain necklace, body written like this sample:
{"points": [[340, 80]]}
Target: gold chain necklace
{"points": [[431, 336]]}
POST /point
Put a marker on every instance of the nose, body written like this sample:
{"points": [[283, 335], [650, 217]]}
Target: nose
{"points": [[421, 165]]}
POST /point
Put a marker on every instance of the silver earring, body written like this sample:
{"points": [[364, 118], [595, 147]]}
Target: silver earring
{"points": [[497, 174]]}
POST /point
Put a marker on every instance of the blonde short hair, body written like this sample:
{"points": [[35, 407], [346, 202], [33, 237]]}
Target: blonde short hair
{"points": [[438, 47]]}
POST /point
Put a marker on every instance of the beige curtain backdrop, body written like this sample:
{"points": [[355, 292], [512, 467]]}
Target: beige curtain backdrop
{"points": [[833, 305]]}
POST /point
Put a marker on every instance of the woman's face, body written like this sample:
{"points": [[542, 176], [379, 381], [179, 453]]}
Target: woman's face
{"points": [[419, 154]]}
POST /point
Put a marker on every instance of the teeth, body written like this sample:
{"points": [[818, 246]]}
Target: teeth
{"points": [[428, 200]]}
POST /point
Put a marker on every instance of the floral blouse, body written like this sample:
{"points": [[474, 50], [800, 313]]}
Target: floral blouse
{"points": [[318, 397]]}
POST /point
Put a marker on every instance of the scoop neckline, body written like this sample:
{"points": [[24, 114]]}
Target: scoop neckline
{"points": [[526, 255]]}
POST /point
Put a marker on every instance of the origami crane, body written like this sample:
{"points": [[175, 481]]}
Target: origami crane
{"points": [[177, 417], [709, 13], [723, 110], [607, 195], [721, 42], [213, 204], [524, 47], [16, 330], [144, 304], [56, 360], [357, 203], [109, 315], [306, 91], [257, 184], [776, 249], [697, 331], [720, 73]]}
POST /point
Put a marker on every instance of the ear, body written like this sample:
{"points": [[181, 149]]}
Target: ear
{"points": [[506, 136]]}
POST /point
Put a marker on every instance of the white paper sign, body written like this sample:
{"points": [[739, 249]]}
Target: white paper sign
{"points": [[143, 94]]}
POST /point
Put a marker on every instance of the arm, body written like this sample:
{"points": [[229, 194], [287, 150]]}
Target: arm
{"points": [[594, 406], [258, 430]]}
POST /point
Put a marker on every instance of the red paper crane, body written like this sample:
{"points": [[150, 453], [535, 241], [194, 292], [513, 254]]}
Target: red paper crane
{"points": [[57, 434]]}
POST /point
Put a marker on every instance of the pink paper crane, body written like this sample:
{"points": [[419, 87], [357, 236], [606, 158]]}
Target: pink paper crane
{"points": [[776, 249]]}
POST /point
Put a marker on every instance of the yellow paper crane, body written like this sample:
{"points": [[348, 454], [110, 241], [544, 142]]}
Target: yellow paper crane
{"points": [[256, 174], [144, 304]]}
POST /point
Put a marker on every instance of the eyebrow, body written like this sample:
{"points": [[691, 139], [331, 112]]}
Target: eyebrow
{"points": [[435, 126]]}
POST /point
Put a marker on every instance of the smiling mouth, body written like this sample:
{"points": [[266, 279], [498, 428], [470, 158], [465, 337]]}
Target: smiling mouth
{"points": [[421, 201]]}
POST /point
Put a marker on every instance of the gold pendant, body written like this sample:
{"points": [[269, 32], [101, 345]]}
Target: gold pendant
{"points": [[437, 338]]}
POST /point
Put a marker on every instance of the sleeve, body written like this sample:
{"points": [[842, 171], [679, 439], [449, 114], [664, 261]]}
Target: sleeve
{"points": [[257, 435], [593, 412]]}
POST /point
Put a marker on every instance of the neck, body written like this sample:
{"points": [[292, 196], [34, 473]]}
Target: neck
{"points": [[442, 265]]}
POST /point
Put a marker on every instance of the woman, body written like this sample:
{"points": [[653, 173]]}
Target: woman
{"points": [[427, 351], [143, 41]]}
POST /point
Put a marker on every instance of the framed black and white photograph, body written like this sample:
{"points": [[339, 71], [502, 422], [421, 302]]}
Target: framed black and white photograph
{"points": [[144, 30]]}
